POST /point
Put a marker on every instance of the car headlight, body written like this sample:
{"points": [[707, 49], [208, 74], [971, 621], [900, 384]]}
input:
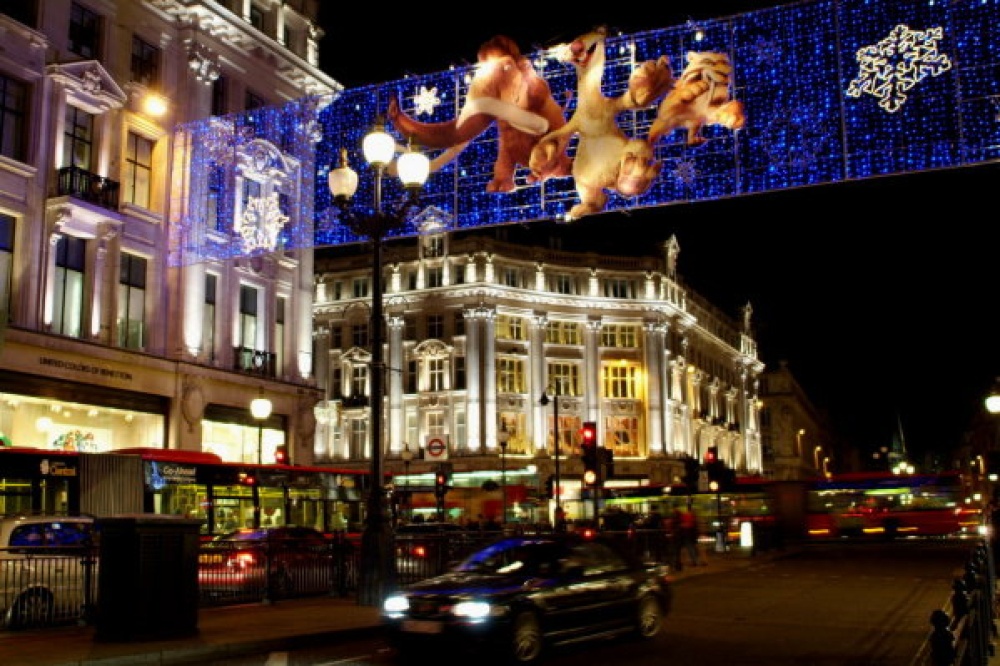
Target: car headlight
{"points": [[395, 603], [474, 610]]}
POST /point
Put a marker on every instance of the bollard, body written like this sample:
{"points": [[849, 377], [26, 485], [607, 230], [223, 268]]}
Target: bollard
{"points": [[942, 640], [959, 599]]}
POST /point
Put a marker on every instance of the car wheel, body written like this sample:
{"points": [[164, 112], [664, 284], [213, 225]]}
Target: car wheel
{"points": [[526, 638], [32, 609], [649, 617]]}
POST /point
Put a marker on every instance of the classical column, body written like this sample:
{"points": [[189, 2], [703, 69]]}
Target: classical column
{"points": [[473, 355], [396, 366]]}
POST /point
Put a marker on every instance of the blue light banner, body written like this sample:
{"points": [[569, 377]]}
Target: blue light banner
{"points": [[806, 94]]}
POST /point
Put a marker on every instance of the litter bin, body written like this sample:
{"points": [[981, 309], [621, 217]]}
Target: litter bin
{"points": [[147, 578]]}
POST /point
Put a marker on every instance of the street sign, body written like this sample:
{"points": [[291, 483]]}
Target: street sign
{"points": [[436, 448]]}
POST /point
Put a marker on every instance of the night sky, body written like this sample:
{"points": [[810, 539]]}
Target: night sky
{"points": [[879, 293]]}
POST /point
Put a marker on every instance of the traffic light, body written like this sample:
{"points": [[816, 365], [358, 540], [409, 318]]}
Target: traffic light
{"points": [[281, 455], [692, 470], [608, 460], [440, 482], [711, 455], [588, 448]]}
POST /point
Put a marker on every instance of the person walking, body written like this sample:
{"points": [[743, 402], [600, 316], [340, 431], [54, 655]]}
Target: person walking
{"points": [[689, 537]]}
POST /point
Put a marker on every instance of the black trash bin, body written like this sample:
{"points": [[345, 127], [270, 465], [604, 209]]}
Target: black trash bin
{"points": [[147, 578]]}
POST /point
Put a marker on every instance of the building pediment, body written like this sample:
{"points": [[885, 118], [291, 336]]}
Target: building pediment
{"points": [[88, 86]]}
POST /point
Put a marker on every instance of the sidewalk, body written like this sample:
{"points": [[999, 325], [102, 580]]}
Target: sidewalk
{"points": [[231, 631]]}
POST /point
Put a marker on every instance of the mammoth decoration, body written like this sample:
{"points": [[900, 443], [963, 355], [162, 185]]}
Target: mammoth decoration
{"points": [[505, 89]]}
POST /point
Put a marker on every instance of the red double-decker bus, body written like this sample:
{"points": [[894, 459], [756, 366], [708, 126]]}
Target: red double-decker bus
{"points": [[888, 505], [191, 484]]}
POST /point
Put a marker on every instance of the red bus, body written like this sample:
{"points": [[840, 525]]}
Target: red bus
{"points": [[192, 484], [883, 504]]}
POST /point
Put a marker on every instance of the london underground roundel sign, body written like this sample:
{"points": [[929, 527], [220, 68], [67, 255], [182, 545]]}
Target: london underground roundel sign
{"points": [[436, 449]]}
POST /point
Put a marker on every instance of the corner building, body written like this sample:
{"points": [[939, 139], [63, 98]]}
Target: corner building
{"points": [[502, 352], [107, 344]]}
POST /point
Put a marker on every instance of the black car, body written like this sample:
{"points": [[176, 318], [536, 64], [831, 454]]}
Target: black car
{"points": [[522, 594]]}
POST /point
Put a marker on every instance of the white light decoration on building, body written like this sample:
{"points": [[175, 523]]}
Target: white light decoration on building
{"points": [[262, 222]]}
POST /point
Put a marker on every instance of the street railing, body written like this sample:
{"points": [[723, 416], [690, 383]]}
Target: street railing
{"points": [[964, 632]]}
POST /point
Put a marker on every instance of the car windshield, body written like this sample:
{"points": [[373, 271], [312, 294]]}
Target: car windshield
{"points": [[515, 556]]}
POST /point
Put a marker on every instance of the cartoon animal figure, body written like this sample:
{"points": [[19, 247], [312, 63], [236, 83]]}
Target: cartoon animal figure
{"points": [[605, 159], [700, 97], [506, 89]]}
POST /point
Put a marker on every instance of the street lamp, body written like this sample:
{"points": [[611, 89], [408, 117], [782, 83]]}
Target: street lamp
{"points": [[816, 453], [377, 561], [260, 409], [720, 534], [798, 441], [407, 456], [544, 401], [503, 438]]}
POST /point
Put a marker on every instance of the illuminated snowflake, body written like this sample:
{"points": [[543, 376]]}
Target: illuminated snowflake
{"points": [[887, 70], [426, 100], [262, 222]]}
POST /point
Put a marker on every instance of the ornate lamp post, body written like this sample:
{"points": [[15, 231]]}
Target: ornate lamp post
{"points": [[503, 438], [377, 561], [544, 401], [260, 409]]}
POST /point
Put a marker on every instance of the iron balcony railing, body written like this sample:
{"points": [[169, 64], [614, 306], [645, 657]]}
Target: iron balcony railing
{"points": [[81, 184]]}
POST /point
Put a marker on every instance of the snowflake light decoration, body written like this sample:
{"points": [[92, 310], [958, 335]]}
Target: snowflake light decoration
{"points": [[262, 222], [426, 101], [888, 69]]}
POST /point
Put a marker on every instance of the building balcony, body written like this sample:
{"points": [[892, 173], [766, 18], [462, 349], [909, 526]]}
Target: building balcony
{"points": [[254, 362], [80, 184]]}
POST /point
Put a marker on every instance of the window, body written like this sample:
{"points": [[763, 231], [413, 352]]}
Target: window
{"points": [[358, 443], [78, 141], [67, 311], [220, 96], [131, 301], [458, 323], [360, 287], [435, 423], [248, 318], [13, 107], [435, 326], [411, 281], [84, 32], [359, 380], [6, 265], [279, 335], [509, 328], [145, 62], [138, 169], [409, 328], [618, 288], [510, 375], [336, 337], [412, 372], [564, 378], [511, 277], [208, 316], [253, 101], [622, 435], [435, 374], [24, 11], [459, 365], [336, 386], [359, 335], [620, 381], [256, 18], [564, 284], [435, 277], [619, 335], [458, 274], [563, 333]]}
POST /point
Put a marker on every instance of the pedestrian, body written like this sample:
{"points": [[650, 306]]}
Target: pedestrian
{"points": [[689, 536]]}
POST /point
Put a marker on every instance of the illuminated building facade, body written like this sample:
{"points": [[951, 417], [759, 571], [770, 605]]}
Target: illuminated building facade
{"points": [[106, 343], [478, 328]]}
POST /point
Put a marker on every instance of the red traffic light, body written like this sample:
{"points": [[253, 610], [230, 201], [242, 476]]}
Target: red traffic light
{"points": [[281, 455], [589, 433], [712, 454]]}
